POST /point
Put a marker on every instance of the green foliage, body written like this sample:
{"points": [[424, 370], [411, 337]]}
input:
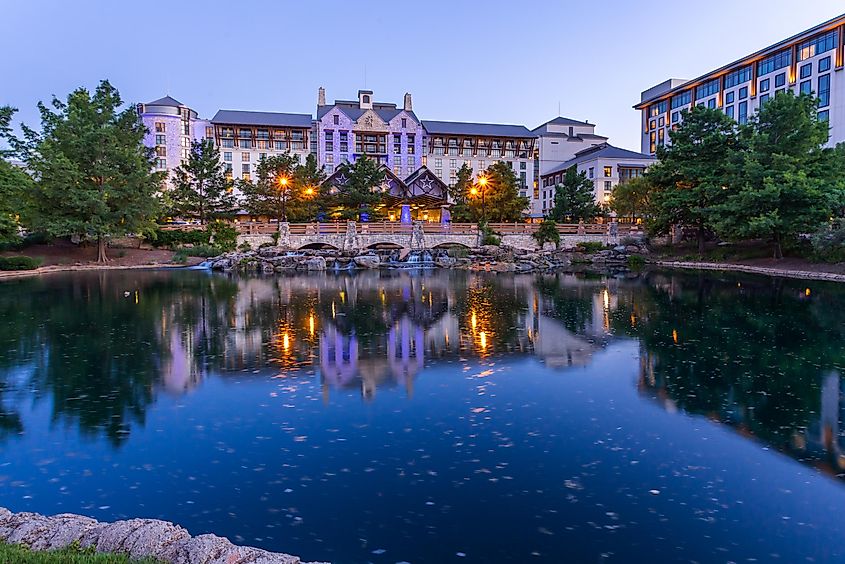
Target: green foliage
{"points": [[201, 189], [15, 189], [93, 170], [73, 554], [359, 194], [590, 246], [459, 195], [488, 236], [204, 251], [244, 247], [547, 233], [222, 235], [19, 263], [278, 191], [632, 198], [310, 175], [829, 244], [499, 199], [575, 198], [172, 239], [180, 256], [636, 262], [789, 184]]}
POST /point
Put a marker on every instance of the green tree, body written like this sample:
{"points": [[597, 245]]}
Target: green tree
{"points": [[15, 185], [790, 184], [497, 198], [201, 189], [275, 190], [575, 198], [632, 198], [310, 176], [359, 194], [459, 194], [547, 233], [93, 171], [693, 172]]}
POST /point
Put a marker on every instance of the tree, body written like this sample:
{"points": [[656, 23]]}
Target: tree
{"points": [[359, 194], [201, 189], [497, 198], [311, 176], [275, 189], [93, 171], [632, 198], [459, 194], [790, 184], [693, 173], [547, 233], [575, 198], [15, 185]]}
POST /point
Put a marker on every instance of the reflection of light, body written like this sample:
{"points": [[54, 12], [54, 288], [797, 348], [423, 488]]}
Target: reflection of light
{"points": [[633, 321], [342, 297], [474, 321], [806, 292], [606, 298], [137, 296], [675, 336], [483, 338], [286, 341], [334, 314], [311, 324]]}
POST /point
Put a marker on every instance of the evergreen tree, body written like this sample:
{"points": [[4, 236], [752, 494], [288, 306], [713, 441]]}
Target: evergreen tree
{"points": [[790, 184], [693, 173], [498, 199], [359, 194], [201, 189], [459, 195], [575, 198], [276, 190], [310, 177], [93, 171]]}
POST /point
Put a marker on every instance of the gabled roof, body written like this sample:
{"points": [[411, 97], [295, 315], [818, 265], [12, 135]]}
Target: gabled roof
{"points": [[560, 120], [166, 101], [353, 110], [422, 171], [601, 151], [467, 128], [240, 117]]}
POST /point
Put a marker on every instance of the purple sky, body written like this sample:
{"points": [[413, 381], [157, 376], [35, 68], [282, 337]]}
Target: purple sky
{"points": [[496, 61]]}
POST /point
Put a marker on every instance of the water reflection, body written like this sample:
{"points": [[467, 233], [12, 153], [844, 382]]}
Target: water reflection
{"points": [[763, 356]]}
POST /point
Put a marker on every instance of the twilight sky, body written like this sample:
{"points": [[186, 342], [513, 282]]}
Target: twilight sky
{"points": [[500, 61]]}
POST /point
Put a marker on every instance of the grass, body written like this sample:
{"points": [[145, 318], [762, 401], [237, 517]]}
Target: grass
{"points": [[73, 554]]}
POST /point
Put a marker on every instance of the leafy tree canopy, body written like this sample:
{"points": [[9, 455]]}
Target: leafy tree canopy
{"points": [[359, 194], [498, 199]]}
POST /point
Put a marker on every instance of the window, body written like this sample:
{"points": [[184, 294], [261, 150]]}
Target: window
{"points": [[365, 98], [817, 45], [763, 99], [160, 140], [676, 117], [246, 177], [161, 164], [681, 99], [245, 143], [824, 115], [592, 172], [729, 111], [779, 60], [824, 90], [737, 77], [245, 157], [729, 98], [160, 127], [780, 79], [608, 186], [330, 159], [404, 123], [228, 143], [411, 162], [336, 119], [661, 136], [522, 165], [654, 110], [227, 168], [209, 132], [652, 124], [227, 156], [743, 113], [764, 85], [806, 70], [743, 93], [824, 64], [453, 163], [161, 151], [186, 128], [707, 89], [245, 168], [438, 163], [608, 171], [711, 103], [523, 180], [652, 142], [661, 122], [806, 87]]}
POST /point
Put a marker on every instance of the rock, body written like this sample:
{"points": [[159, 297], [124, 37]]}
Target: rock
{"points": [[267, 268], [619, 248], [367, 261], [315, 264], [632, 249], [445, 261]]}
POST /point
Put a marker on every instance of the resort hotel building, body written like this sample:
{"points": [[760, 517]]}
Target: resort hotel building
{"points": [[421, 157], [810, 62]]}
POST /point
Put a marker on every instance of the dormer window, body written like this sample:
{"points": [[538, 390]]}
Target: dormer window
{"points": [[336, 119], [365, 98]]}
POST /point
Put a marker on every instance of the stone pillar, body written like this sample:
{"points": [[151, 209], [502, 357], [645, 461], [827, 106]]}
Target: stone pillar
{"points": [[613, 231], [417, 236], [581, 229], [350, 239], [284, 235], [405, 214]]}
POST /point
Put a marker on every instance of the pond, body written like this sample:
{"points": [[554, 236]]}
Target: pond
{"points": [[435, 416]]}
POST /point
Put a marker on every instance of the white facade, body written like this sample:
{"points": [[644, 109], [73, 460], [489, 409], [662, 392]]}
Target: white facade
{"points": [[811, 61]]}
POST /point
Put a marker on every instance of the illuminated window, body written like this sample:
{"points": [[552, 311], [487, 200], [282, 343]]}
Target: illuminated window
{"points": [[160, 127], [608, 171]]}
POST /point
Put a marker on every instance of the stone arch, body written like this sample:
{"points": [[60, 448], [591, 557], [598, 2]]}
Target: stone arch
{"points": [[384, 245], [318, 246], [451, 245]]}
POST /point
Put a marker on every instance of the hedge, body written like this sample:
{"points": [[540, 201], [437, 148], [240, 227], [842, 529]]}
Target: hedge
{"points": [[19, 263]]}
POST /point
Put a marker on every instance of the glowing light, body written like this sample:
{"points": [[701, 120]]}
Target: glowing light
{"points": [[483, 340], [473, 191], [474, 321], [342, 297], [675, 336], [309, 191], [286, 341], [606, 298], [311, 324], [482, 181], [806, 291], [283, 181]]}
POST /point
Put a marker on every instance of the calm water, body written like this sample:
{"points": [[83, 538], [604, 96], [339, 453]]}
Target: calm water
{"points": [[439, 417]]}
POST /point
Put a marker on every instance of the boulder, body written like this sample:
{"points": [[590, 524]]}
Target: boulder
{"points": [[367, 261], [315, 264]]}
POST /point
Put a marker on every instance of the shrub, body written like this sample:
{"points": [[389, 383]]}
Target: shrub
{"points": [[829, 244], [222, 235], [244, 247], [204, 251], [590, 246], [547, 233], [275, 237], [19, 263], [180, 256], [265, 245], [174, 239], [488, 236], [636, 262]]}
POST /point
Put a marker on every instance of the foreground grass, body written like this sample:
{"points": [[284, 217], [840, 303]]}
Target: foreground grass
{"points": [[18, 554]]}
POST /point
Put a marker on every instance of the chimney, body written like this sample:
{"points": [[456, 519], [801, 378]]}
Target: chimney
{"points": [[321, 96], [365, 99], [408, 107]]}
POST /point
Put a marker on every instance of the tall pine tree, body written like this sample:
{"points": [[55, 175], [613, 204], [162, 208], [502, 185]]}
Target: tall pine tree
{"points": [[201, 189], [575, 198]]}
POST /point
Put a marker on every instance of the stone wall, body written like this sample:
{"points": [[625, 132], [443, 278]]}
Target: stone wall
{"points": [[138, 538]]}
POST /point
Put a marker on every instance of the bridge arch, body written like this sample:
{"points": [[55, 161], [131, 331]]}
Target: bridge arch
{"points": [[318, 246]]}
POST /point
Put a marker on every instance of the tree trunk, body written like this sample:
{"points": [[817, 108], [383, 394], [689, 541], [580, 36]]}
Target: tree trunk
{"points": [[700, 242], [101, 250], [778, 248]]}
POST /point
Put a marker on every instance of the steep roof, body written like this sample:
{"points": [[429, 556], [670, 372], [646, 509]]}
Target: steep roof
{"points": [[467, 128], [560, 120], [241, 117], [353, 111], [166, 101], [602, 151]]}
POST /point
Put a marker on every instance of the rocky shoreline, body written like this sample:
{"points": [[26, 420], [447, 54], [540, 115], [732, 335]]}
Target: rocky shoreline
{"points": [[272, 259], [138, 538]]}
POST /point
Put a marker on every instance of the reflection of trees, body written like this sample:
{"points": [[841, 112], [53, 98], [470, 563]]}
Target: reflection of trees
{"points": [[747, 351]]}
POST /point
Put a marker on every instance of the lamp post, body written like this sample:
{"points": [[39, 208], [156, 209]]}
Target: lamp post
{"points": [[284, 182], [480, 189]]}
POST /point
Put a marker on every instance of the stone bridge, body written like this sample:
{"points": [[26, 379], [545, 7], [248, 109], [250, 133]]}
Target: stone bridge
{"points": [[353, 236]]}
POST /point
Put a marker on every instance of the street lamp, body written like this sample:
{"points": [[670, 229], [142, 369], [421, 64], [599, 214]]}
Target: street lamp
{"points": [[480, 189], [284, 181]]}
